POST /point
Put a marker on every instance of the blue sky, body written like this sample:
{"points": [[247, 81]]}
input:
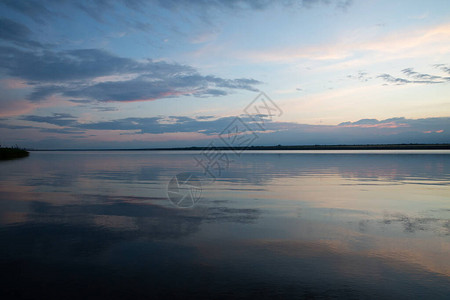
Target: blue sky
{"points": [[132, 73]]}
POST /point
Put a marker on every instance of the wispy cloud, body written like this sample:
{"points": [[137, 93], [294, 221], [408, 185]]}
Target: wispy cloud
{"points": [[42, 10], [414, 78], [81, 64], [36, 10], [16, 33], [361, 76], [250, 4], [56, 119], [443, 68], [410, 76], [405, 43]]}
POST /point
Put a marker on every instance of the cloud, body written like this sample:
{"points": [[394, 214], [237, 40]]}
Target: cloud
{"points": [[183, 131], [36, 10], [81, 101], [9, 126], [42, 92], [412, 77], [159, 125], [49, 66], [105, 108], [148, 87], [361, 76], [415, 77], [411, 73], [72, 74], [248, 4], [442, 67], [119, 11], [62, 131], [214, 126], [363, 49], [206, 125], [427, 124], [392, 79], [16, 33], [56, 119], [360, 122], [95, 9]]}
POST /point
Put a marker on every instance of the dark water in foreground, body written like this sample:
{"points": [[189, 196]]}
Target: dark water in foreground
{"points": [[317, 225]]}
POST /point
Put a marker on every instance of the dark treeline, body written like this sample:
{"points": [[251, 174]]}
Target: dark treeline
{"points": [[12, 152]]}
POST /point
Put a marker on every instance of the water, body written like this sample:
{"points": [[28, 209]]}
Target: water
{"points": [[279, 224]]}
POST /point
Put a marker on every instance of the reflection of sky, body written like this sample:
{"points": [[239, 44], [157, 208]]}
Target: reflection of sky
{"points": [[356, 224]]}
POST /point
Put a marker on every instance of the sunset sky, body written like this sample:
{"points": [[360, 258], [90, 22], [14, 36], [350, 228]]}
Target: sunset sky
{"points": [[166, 73]]}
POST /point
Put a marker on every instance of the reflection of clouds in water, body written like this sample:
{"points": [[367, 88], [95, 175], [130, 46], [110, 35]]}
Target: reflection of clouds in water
{"points": [[105, 234], [411, 224], [422, 242], [94, 225], [55, 180], [59, 170], [427, 249], [325, 269], [235, 215], [433, 221], [112, 244], [64, 169], [241, 267], [89, 229], [317, 239], [400, 169], [261, 168]]}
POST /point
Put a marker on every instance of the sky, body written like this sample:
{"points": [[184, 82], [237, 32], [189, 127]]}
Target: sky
{"points": [[166, 73]]}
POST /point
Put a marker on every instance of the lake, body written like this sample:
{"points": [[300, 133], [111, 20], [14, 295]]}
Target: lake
{"points": [[274, 224]]}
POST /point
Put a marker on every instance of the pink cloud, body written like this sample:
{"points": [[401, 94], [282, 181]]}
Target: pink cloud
{"points": [[406, 43], [436, 131], [17, 107], [13, 83]]}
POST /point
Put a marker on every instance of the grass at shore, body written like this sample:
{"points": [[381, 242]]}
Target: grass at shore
{"points": [[12, 153]]}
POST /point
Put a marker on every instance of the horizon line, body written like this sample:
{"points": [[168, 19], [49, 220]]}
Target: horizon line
{"points": [[402, 146]]}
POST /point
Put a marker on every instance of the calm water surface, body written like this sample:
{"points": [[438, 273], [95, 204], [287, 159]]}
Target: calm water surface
{"points": [[279, 224]]}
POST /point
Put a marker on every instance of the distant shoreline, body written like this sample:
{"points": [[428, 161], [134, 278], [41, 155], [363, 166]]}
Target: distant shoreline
{"points": [[281, 147]]}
